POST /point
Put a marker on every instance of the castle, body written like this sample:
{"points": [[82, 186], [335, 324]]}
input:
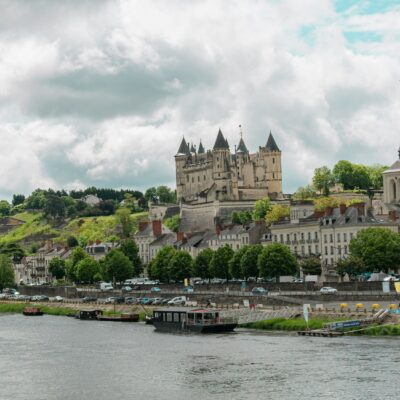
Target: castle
{"points": [[217, 175]]}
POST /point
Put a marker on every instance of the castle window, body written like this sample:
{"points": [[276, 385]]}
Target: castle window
{"points": [[273, 175], [204, 177], [273, 160], [192, 179], [198, 179], [187, 178]]}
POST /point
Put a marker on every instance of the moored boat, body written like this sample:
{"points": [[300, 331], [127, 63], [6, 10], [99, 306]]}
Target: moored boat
{"points": [[32, 311], [180, 319], [88, 314], [126, 317]]}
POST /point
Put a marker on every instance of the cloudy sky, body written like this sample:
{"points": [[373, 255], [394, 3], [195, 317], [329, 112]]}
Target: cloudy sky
{"points": [[101, 92]]}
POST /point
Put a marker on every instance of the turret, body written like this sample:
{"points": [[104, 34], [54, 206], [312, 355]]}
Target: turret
{"points": [[221, 165], [181, 158], [271, 155]]}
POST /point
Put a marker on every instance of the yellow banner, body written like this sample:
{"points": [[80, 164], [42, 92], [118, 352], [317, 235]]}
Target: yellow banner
{"points": [[397, 286]]}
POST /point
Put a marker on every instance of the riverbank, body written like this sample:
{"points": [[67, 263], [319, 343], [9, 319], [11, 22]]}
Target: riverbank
{"points": [[60, 309], [297, 324]]}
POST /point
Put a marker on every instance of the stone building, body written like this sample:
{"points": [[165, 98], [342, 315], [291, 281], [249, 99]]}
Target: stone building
{"points": [[391, 186], [218, 175]]}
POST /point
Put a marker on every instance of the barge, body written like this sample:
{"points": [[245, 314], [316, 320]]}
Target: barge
{"points": [[180, 319], [32, 311]]}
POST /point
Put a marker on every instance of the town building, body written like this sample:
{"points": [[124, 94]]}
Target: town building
{"points": [[91, 200], [391, 186], [98, 249]]}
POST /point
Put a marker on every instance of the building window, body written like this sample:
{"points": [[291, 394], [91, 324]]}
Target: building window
{"points": [[344, 237], [338, 237], [273, 175], [281, 238], [273, 160], [316, 235], [339, 250], [332, 251], [309, 250], [295, 249], [302, 236], [351, 236], [316, 249], [345, 250], [309, 236], [288, 237], [326, 250], [295, 237], [331, 238], [325, 239]]}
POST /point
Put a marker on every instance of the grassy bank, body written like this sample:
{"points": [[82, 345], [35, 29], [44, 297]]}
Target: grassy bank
{"points": [[281, 324], [17, 308]]}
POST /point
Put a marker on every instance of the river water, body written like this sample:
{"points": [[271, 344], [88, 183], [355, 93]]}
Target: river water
{"points": [[59, 358]]}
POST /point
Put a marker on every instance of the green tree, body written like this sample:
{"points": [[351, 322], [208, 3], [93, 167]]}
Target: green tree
{"points": [[86, 270], [57, 267], [118, 267], [375, 175], [201, 264], [276, 260], [277, 213], [18, 199], [351, 266], [241, 217], [323, 180], [248, 262], [77, 255], [159, 268], [304, 193], [377, 248], [5, 208], [343, 173], [72, 241], [235, 268], [311, 266], [12, 250], [180, 266], [37, 200], [165, 195], [131, 250], [361, 177], [151, 195], [220, 262], [6, 272], [130, 202], [173, 223], [261, 208], [123, 217], [54, 207]]}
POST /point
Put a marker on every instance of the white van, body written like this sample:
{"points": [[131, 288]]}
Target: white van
{"points": [[177, 301], [106, 287], [137, 281]]}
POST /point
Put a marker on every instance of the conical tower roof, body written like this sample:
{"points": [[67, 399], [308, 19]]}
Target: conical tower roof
{"points": [[201, 148], [192, 149], [241, 147], [271, 144], [183, 148], [221, 142]]}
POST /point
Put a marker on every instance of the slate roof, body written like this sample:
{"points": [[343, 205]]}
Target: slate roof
{"points": [[183, 148], [241, 147], [166, 239], [201, 148], [192, 149], [271, 144], [221, 142], [394, 168]]}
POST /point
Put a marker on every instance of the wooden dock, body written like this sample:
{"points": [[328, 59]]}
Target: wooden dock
{"points": [[320, 333]]}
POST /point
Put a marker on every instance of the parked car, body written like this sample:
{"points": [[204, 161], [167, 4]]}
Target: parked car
{"points": [[177, 301], [57, 299], [145, 300], [109, 300], [157, 301], [165, 301], [328, 290], [188, 289], [155, 289], [24, 297], [89, 299], [130, 300], [259, 290], [126, 289], [298, 280], [40, 297]]}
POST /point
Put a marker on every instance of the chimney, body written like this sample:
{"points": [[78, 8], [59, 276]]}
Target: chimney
{"points": [[143, 225], [217, 229], [319, 214], [157, 228], [393, 215], [98, 241], [343, 209], [90, 243], [260, 222], [361, 208], [328, 211], [180, 236]]}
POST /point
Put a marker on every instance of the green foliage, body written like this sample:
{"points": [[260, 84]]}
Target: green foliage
{"points": [[261, 208], [159, 266], [72, 241], [57, 268], [77, 255], [351, 266], [123, 217], [117, 265], [241, 217], [220, 262], [87, 269], [131, 250], [6, 272], [276, 260], [282, 324], [311, 266], [378, 248], [235, 268], [165, 195], [248, 262], [180, 266], [37, 200], [151, 195], [12, 250], [323, 180], [322, 202], [277, 213], [201, 264], [5, 208], [173, 223], [375, 175], [54, 207], [304, 193], [18, 199]]}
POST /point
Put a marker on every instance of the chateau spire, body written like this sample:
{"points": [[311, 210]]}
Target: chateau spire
{"points": [[241, 146], [192, 149], [183, 148], [221, 142], [201, 148], [271, 144]]}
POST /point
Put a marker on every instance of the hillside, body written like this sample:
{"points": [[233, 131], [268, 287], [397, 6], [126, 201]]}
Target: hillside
{"points": [[36, 229]]}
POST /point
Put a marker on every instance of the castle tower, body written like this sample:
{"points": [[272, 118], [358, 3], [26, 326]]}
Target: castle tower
{"points": [[181, 159], [242, 156], [272, 162], [221, 166]]}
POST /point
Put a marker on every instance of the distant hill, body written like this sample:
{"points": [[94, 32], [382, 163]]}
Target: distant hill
{"points": [[34, 228]]}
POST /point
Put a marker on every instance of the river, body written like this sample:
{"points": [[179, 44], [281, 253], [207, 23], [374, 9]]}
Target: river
{"points": [[59, 358]]}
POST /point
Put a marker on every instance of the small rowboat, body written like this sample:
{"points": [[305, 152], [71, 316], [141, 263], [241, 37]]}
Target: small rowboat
{"points": [[32, 311]]}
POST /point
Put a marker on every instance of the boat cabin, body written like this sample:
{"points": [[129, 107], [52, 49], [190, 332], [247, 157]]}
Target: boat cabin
{"points": [[89, 314], [190, 317]]}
